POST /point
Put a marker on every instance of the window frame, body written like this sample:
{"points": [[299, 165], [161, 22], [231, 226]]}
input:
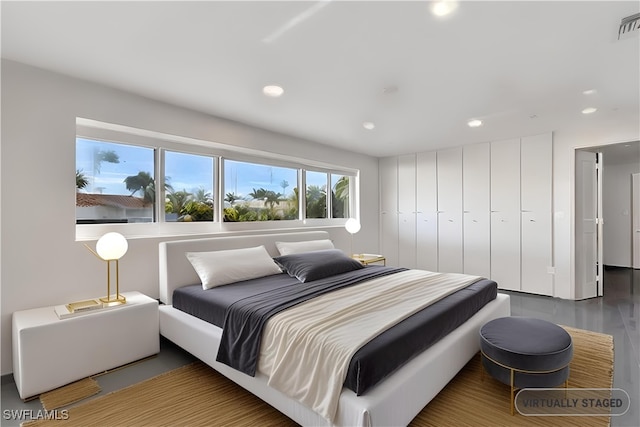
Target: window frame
{"points": [[101, 131]]}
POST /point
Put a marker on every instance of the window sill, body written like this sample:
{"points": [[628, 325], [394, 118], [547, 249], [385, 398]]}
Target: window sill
{"points": [[89, 232]]}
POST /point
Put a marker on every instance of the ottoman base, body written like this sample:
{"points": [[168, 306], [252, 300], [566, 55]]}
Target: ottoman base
{"points": [[518, 379]]}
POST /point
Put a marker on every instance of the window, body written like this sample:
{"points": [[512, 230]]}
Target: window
{"points": [[258, 192], [114, 182], [340, 196], [316, 194], [189, 189]]}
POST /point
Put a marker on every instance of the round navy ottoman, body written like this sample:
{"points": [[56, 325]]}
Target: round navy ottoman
{"points": [[524, 352]]}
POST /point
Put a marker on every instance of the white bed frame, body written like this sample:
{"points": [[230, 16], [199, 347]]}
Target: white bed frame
{"points": [[395, 401]]}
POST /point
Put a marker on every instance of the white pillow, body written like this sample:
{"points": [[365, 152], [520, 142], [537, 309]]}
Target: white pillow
{"points": [[288, 248], [218, 268]]}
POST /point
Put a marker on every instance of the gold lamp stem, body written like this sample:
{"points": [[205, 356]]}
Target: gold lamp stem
{"points": [[108, 280], [117, 280], [117, 298]]}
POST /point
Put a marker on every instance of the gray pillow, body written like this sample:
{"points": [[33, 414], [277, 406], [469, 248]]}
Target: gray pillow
{"points": [[308, 266]]}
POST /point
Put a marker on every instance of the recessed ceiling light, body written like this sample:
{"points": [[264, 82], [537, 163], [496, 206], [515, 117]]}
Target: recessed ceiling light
{"points": [[273, 91], [589, 110], [443, 7], [589, 92], [474, 123], [368, 125]]}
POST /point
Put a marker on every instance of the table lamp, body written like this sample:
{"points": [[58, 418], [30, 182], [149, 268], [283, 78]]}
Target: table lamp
{"points": [[111, 247], [352, 226]]}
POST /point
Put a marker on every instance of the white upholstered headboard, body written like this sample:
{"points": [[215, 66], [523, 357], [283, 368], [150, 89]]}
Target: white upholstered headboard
{"points": [[176, 270]]}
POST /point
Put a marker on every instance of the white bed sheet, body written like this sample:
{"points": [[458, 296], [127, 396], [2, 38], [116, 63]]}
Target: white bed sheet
{"points": [[394, 402]]}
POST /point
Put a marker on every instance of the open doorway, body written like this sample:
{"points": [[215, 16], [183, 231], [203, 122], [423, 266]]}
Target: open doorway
{"points": [[605, 232]]}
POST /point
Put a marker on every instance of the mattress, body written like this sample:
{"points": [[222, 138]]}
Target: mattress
{"points": [[381, 356]]}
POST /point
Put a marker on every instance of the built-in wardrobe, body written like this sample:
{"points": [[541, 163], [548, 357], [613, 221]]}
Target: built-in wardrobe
{"points": [[483, 209]]}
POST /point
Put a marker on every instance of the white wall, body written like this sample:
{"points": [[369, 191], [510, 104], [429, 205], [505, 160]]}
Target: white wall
{"points": [[42, 264], [616, 211]]}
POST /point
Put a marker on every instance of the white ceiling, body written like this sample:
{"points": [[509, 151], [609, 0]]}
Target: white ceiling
{"points": [[521, 67]]}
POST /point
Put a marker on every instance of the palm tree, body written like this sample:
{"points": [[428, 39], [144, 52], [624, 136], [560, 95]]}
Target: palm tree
{"points": [[81, 180], [340, 198], [144, 183], [284, 184], [100, 156], [259, 194], [292, 211], [178, 200], [272, 198], [342, 188], [202, 196], [316, 202], [231, 198]]}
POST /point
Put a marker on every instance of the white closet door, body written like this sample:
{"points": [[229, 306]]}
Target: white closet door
{"points": [[427, 212], [476, 203], [407, 211], [505, 249], [450, 251], [536, 190], [388, 172], [450, 246], [449, 164], [536, 253], [536, 172], [505, 175], [505, 213]]}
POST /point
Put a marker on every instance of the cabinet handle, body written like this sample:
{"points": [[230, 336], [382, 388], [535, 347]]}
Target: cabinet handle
{"points": [[475, 220], [450, 220], [532, 220], [503, 220]]}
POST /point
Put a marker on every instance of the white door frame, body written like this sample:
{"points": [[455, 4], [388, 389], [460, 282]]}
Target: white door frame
{"points": [[600, 232], [635, 208]]}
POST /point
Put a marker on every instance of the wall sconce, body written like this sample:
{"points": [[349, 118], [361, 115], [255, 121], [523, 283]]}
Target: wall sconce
{"points": [[352, 226], [111, 247]]}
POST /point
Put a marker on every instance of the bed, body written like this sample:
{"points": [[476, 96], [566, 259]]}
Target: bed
{"points": [[396, 400]]}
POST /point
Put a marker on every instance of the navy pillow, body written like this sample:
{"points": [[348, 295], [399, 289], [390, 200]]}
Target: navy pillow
{"points": [[308, 266]]}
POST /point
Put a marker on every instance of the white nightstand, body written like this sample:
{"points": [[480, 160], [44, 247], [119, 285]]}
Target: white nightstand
{"points": [[49, 352]]}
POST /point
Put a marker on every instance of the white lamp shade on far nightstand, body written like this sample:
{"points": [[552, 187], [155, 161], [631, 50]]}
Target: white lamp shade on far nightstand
{"points": [[112, 246], [352, 225]]}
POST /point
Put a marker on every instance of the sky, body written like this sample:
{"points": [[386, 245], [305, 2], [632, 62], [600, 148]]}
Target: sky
{"points": [[184, 171]]}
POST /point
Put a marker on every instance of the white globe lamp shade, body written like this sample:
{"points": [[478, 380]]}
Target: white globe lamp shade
{"points": [[352, 225], [112, 246]]}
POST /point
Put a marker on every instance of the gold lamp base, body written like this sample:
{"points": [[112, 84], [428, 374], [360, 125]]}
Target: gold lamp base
{"points": [[112, 300]]}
